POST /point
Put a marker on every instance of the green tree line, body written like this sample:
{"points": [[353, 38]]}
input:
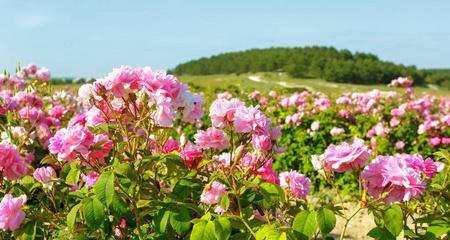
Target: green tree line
{"points": [[313, 62]]}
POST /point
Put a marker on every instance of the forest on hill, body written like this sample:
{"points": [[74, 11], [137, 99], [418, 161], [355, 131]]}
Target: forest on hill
{"points": [[327, 63]]}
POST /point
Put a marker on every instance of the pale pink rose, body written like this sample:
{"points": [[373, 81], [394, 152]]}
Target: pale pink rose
{"points": [[192, 105], [118, 233], [211, 138], [251, 119], [389, 179], [213, 193], [90, 179], [67, 143], [43, 74], [397, 112], [94, 117], [318, 161], [219, 210], [32, 113], [399, 145], [315, 126], [11, 214], [435, 141], [119, 81], [12, 165], [275, 132], [394, 122], [297, 183], [164, 113], [346, 157], [222, 111], [159, 81], [224, 159], [262, 142], [86, 92], [44, 175], [335, 131], [224, 95], [273, 94]]}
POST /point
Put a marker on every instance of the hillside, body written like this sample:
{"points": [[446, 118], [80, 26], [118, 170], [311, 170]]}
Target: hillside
{"points": [[341, 66]]}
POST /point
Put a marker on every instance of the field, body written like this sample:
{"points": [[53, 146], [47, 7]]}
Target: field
{"points": [[268, 81], [140, 155]]}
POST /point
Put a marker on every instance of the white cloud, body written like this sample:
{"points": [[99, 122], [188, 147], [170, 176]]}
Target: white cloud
{"points": [[31, 21]]}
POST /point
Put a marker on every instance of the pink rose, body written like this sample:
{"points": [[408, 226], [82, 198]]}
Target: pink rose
{"points": [[389, 179], [44, 175], [399, 145], [222, 111], [12, 164], [67, 143], [346, 157], [297, 183], [335, 131], [251, 119], [213, 194], [262, 142], [211, 138], [435, 141], [43, 74], [11, 214]]}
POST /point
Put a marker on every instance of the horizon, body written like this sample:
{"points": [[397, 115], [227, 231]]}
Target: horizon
{"points": [[88, 39]]}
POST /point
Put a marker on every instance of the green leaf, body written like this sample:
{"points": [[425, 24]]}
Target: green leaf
{"points": [[161, 219], [74, 174], [93, 213], [104, 188], [29, 231], [326, 220], [72, 216], [379, 233], [393, 220], [203, 230], [268, 232], [225, 202], [305, 224], [272, 193], [180, 219], [222, 228]]}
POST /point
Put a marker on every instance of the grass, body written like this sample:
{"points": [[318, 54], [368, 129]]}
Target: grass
{"points": [[270, 81]]}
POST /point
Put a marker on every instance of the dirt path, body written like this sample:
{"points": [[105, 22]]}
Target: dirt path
{"points": [[256, 78]]}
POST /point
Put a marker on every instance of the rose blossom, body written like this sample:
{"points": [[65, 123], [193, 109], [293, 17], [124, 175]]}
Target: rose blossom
{"points": [[191, 155], [44, 175], [346, 157], [11, 214], [389, 179], [399, 144], [213, 193], [43, 74], [12, 164], [296, 182], [68, 142], [222, 111], [335, 131], [262, 142], [211, 138]]}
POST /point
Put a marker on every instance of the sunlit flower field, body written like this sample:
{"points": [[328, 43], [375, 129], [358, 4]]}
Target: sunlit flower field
{"points": [[140, 155]]}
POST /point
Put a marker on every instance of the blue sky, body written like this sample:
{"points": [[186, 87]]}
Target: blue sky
{"points": [[88, 38]]}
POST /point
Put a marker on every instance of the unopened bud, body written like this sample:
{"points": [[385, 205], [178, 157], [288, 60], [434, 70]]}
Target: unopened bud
{"points": [[183, 140], [238, 153]]}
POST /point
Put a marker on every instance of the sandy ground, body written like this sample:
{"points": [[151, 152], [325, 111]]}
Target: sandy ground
{"points": [[358, 227]]}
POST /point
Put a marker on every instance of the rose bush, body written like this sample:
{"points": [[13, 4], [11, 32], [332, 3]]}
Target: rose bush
{"points": [[135, 156]]}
